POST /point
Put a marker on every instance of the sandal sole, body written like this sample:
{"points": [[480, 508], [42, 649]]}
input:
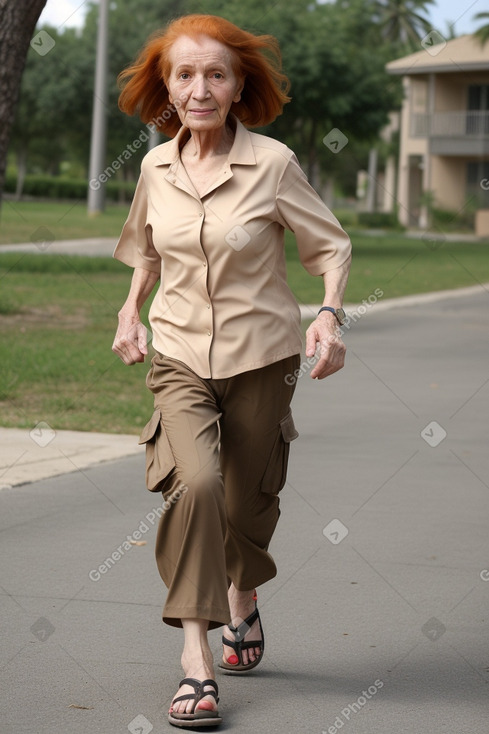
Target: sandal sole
{"points": [[192, 722], [236, 670]]}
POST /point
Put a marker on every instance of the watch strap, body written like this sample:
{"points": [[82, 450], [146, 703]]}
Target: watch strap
{"points": [[327, 308]]}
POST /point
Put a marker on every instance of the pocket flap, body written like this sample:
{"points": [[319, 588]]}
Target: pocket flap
{"points": [[159, 456], [289, 431], [150, 428]]}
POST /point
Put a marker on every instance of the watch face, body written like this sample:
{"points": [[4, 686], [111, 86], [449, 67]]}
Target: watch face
{"points": [[340, 315]]}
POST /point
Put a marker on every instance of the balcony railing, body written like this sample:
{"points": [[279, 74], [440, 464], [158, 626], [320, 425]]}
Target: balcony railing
{"points": [[450, 124]]}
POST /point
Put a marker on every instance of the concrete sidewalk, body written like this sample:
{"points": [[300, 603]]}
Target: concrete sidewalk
{"points": [[377, 620], [93, 246], [42, 452]]}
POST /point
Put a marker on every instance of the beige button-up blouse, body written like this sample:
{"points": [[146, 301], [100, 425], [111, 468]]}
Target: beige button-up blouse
{"points": [[223, 305]]}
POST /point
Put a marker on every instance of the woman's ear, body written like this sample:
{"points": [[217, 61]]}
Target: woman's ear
{"points": [[170, 98], [240, 88]]}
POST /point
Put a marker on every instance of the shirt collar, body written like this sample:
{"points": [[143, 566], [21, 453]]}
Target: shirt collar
{"points": [[241, 152]]}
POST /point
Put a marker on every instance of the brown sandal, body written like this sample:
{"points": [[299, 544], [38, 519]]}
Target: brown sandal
{"points": [[239, 644], [201, 717]]}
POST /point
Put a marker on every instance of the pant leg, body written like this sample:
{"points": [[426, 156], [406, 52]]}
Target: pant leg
{"points": [[256, 431], [190, 551]]}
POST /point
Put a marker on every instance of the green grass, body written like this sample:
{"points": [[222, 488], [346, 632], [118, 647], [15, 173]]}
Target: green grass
{"points": [[65, 220], [58, 316], [57, 363], [398, 265]]}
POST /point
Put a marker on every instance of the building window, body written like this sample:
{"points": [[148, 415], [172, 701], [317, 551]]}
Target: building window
{"points": [[477, 121]]}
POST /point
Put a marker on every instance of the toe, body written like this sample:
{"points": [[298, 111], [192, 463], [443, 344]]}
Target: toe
{"points": [[205, 704]]}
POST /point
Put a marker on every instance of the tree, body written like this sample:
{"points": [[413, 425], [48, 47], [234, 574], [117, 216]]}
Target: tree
{"points": [[482, 33], [402, 21], [54, 107], [18, 19]]}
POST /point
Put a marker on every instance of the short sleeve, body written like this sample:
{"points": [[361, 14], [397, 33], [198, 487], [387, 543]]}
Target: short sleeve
{"points": [[322, 243], [135, 246]]}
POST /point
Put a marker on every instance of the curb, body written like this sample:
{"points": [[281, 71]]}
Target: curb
{"points": [[309, 311]]}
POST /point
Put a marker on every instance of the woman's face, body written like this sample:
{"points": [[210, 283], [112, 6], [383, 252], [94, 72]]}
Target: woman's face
{"points": [[202, 82]]}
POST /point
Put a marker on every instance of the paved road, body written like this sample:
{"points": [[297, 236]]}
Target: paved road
{"points": [[377, 622]]}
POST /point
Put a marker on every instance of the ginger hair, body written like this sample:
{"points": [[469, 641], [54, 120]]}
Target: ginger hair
{"points": [[256, 59]]}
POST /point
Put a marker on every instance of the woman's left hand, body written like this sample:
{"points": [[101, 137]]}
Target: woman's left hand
{"points": [[324, 331]]}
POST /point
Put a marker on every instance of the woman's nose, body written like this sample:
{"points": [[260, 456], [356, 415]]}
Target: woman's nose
{"points": [[200, 89]]}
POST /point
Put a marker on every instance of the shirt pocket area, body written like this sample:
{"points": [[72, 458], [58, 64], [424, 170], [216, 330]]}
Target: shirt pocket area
{"points": [[276, 472], [159, 456]]}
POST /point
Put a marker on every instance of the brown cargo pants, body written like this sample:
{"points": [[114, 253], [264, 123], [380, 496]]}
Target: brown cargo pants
{"points": [[218, 451]]}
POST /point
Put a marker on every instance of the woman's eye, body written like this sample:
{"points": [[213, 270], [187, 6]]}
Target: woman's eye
{"points": [[184, 75], [218, 75]]}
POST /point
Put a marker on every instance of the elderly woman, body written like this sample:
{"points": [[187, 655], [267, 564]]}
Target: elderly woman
{"points": [[208, 220]]}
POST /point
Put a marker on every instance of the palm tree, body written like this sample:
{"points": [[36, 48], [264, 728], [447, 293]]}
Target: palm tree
{"points": [[402, 20], [482, 33]]}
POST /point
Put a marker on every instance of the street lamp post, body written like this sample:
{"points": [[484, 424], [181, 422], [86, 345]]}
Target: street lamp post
{"points": [[96, 188]]}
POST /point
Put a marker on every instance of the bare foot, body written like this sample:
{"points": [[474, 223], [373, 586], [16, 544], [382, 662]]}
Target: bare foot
{"points": [[241, 604]]}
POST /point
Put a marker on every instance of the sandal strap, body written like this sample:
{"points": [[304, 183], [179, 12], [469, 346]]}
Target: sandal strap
{"points": [[196, 683], [242, 645], [240, 631], [198, 687]]}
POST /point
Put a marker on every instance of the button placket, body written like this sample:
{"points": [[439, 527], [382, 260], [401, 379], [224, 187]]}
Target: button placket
{"points": [[209, 318]]}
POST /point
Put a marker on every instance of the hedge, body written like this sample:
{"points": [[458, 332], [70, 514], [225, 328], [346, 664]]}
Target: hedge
{"points": [[57, 187], [378, 220]]}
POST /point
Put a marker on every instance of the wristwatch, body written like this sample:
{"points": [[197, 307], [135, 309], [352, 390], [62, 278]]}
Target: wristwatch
{"points": [[338, 312]]}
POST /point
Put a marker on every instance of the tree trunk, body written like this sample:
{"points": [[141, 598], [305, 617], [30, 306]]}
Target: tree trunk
{"points": [[18, 19]]}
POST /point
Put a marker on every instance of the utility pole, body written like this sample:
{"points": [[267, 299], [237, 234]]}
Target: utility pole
{"points": [[96, 188], [372, 180], [154, 137]]}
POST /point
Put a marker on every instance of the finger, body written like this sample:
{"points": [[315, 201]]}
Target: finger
{"points": [[127, 350], [325, 357], [332, 359], [324, 370], [312, 337], [123, 356], [142, 339]]}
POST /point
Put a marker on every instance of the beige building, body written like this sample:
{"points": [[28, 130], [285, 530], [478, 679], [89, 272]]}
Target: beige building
{"points": [[444, 142]]}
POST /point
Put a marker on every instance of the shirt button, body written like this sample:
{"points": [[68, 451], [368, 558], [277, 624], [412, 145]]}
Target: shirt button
{"points": [[208, 305], [201, 214], [208, 333], [204, 265]]}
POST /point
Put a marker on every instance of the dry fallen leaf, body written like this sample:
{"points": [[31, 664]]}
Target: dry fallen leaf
{"points": [[137, 542], [75, 706]]}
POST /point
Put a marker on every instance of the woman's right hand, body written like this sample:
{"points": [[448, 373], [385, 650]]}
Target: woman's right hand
{"points": [[130, 339]]}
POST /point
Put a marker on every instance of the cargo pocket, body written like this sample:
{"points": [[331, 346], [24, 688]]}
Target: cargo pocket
{"points": [[276, 472], [159, 456]]}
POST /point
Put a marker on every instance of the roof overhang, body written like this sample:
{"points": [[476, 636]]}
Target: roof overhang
{"points": [[452, 68], [457, 56]]}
